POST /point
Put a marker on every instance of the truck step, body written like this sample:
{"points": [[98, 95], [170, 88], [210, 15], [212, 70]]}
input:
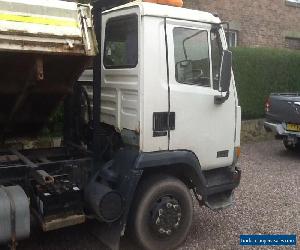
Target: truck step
{"points": [[220, 200]]}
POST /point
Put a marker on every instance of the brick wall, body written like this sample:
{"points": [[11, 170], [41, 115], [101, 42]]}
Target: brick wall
{"points": [[263, 23]]}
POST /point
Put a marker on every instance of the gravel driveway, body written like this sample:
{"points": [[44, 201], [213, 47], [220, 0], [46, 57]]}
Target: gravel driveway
{"points": [[267, 202]]}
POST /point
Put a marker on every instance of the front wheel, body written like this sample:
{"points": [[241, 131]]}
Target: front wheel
{"points": [[291, 147], [162, 213]]}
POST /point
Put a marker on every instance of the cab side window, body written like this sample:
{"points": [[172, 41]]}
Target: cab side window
{"points": [[121, 42], [191, 52], [216, 57]]}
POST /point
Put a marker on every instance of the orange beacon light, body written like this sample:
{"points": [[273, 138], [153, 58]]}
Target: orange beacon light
{"points": [[177, 3]]}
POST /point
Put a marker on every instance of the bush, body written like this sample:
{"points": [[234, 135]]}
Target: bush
{"points": [[261, 71]]}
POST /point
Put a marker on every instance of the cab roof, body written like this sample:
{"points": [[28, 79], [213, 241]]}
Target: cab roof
{"points": [[159, 10]]}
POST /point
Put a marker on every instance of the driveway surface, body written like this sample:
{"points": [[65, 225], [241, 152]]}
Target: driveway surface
{"points": [[267, 202]]}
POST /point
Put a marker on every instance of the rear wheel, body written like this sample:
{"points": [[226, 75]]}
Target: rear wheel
{"points": [[162, 213]]}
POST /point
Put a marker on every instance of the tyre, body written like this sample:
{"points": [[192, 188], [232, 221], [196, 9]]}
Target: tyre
{"points": [[162, 213], [291, 147]]}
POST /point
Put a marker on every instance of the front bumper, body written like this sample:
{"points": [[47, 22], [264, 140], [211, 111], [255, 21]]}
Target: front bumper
{"points": [[279, 129]]}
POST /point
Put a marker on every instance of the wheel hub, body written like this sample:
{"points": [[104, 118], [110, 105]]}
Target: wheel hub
{"points": [[166, 216]]}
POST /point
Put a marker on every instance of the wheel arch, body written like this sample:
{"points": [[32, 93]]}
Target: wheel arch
{"points": [[181, 164]]}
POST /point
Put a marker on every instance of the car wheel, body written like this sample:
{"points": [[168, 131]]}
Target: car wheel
{"points": [[291, 147], [162, 213]]}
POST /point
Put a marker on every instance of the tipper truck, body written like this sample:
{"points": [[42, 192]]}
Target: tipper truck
{"points": [[151, 117]]}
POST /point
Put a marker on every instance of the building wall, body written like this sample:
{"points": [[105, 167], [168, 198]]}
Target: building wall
{"points": [[260, 23]]}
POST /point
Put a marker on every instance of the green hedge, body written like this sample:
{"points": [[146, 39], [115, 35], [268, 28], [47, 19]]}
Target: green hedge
{"points": [[260, 71]]}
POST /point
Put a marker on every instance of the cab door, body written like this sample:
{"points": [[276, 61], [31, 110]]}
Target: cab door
{"points": [[201, 125]]}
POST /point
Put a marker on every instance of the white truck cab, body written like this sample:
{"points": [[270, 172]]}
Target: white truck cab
{"points": [[168, 90], [160, 78]]}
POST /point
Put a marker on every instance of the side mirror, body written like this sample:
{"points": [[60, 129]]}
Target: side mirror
{"points": [[225, 76], [226, 65]]}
